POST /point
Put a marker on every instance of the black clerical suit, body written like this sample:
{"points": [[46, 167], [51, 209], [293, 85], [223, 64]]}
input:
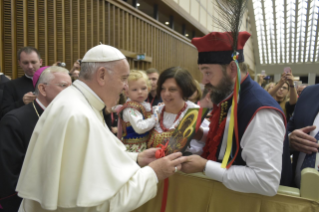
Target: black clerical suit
{"points": [[3, 79], [153, 100], [13, 93], [16, 128]]}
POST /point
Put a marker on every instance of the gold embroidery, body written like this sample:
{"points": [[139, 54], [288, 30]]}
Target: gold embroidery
{"points": [[223, 110], [159, 138], [136, 140]]}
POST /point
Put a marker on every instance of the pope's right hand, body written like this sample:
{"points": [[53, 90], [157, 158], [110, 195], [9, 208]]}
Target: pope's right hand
{"points": [[28, 97], [300, 140], [165, 167]]}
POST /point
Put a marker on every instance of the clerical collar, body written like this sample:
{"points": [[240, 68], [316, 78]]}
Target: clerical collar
{"points": [[89, 89], [40, 104], [28, 76]]}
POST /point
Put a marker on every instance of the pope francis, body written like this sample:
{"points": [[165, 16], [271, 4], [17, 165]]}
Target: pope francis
{"points": [[74, 163]]}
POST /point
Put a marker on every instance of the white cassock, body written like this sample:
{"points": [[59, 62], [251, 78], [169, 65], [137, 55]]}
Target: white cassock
{"points": [[74, 162]]}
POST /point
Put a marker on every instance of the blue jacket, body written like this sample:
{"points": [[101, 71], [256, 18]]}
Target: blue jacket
{"points": [[306, 110]]}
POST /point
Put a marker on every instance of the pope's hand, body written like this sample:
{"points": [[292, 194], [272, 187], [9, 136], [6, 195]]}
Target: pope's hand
{"points": [[168, 165], [193, 164], [300, 140], [146, 157]]}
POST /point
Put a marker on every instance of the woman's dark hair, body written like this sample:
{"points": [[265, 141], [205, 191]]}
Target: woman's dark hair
{"points": [[183, 79]]}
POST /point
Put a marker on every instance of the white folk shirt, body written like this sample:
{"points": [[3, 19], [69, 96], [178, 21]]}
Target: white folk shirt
{"points": [[74, 163], [262, 146], [139, 124]]}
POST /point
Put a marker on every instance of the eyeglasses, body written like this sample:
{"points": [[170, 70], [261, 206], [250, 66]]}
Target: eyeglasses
{"points": [[62, 85]]}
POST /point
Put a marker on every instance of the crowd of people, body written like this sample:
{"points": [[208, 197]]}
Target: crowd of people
{"points": [[86, 139]]}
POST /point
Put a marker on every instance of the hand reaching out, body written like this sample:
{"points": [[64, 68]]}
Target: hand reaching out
{"points": [[300, 140]]}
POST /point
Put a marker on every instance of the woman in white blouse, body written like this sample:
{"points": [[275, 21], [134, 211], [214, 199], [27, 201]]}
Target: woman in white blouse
{"points": [[176, 85]]}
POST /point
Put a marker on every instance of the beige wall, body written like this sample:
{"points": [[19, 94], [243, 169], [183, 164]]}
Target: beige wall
{"points": [[203, 12]]}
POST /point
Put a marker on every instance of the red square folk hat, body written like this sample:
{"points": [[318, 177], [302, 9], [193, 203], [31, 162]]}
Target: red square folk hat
{"points": [[217, 47]]}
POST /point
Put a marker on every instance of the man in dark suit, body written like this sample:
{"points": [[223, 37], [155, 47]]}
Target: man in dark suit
{"points": [[18, 92], [153, 98], [16, 128], [302, 130], [3, 79]]}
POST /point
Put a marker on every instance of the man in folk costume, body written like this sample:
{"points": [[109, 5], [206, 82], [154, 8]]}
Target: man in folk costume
{"points": [[244, 148], [74, 162]]}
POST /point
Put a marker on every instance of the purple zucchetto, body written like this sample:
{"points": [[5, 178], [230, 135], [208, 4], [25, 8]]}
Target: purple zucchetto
{"points": [[37, 75]]}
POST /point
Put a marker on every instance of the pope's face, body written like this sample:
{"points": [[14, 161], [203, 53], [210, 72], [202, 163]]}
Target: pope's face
{"points": [[216, 79], [117, 81]]}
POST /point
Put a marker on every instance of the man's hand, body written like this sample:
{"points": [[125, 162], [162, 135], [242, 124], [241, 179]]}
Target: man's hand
{"points": [[28, 97], [283, 78], [290, 78], [114, 130], [194, 163], [165, 167], [300, 140], [76, 66], [146, 157]]}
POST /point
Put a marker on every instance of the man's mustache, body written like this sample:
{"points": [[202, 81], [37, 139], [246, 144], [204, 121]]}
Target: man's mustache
{"points": [[209, 87]]}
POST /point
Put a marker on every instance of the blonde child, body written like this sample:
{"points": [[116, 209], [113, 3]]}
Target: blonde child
{"points": [[136, 115]]}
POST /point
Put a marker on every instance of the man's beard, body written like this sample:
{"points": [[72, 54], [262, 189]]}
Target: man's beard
{"points": [[222, 90]]}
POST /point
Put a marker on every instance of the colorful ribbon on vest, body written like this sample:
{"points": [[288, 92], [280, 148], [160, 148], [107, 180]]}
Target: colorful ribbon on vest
{"points": [[233, 120]]}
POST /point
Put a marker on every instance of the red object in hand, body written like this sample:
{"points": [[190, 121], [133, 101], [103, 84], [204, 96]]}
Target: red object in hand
{"points": [[161, 152]]}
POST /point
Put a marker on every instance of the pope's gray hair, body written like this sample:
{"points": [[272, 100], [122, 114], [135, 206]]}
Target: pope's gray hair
{"points": [[47, 75], [89, 68]]}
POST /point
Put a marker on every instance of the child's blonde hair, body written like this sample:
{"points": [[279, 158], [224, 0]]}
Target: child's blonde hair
{"points": [[138, 74]]}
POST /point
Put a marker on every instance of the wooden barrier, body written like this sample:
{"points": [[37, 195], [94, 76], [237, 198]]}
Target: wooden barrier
{"points": [[197, 193]]}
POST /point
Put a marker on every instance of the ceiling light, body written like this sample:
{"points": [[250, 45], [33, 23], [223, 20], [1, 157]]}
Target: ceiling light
{"points": [[186, 35], [167, 23], [138, 4]]}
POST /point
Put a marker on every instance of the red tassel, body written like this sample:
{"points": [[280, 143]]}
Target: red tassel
{"points": [[161, 152], [199, 118], [164, 198]]}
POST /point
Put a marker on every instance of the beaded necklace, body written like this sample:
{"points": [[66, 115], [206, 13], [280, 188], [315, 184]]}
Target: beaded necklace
{"points": [[178, 115]]}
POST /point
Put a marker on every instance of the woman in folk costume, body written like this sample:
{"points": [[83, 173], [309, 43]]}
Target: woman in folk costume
{"points": [[175, 85], [136, 115]]}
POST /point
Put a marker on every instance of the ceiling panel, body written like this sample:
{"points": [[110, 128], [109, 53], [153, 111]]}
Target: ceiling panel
{"points": [[286, 31]]}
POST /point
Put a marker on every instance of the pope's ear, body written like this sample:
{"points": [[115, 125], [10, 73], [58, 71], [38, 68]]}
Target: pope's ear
{"points": [[101, 75]]}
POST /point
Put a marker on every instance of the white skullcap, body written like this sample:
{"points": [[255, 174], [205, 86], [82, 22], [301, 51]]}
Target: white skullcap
{"points": [[102, 53]]}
